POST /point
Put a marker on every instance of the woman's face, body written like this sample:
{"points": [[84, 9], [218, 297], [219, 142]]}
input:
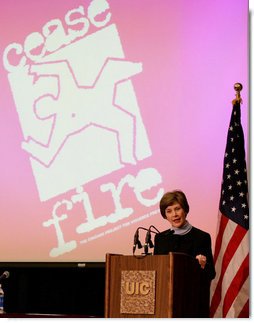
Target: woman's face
{"points": [[176, 215]]}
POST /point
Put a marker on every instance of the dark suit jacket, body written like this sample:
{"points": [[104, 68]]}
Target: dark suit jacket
{"points": [[193, 243]]}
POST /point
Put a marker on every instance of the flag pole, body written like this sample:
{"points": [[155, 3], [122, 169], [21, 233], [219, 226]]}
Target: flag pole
{"points": [[238, 88]]}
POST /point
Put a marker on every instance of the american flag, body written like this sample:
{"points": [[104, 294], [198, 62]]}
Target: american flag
{"points": [[230, 288]]}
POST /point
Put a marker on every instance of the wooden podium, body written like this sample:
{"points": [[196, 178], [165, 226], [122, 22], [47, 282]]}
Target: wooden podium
{"points": [[156, 286]]}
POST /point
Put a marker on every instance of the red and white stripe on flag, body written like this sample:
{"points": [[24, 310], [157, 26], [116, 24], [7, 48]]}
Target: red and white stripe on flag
{"points": [[230, 288]]}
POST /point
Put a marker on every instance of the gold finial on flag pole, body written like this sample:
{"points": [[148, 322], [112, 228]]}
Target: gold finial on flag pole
{"points": [[238, 88]]}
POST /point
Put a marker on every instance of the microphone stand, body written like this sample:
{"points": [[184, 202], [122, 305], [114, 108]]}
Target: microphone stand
{"points": [[136, 240], [148, 241]]}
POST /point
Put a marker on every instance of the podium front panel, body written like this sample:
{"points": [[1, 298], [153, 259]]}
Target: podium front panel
{"points": [[149, 286]]}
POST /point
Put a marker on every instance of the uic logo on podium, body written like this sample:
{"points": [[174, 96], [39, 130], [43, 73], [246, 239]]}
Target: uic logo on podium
{"points": [[137, 292], [137, 288]]}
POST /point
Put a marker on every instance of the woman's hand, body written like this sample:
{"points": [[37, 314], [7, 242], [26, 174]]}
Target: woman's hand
{"points": [[202, 260]]}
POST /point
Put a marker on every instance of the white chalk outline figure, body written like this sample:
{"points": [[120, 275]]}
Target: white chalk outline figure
{"points": [[76, 107]]}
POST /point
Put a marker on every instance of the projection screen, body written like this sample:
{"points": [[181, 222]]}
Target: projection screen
{"points": [[106, 105]]}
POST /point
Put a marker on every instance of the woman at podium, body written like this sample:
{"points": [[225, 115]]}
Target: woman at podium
{"points": [[182, 236]]}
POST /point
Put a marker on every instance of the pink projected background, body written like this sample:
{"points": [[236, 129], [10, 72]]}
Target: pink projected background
{"points": [[105, 105]]}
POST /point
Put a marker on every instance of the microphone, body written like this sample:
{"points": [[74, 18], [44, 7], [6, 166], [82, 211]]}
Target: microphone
{"points": [[136, 241], [148, 240], [4, 275]]}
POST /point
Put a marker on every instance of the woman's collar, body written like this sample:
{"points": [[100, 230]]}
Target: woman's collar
{"points": [[184, 229]]}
